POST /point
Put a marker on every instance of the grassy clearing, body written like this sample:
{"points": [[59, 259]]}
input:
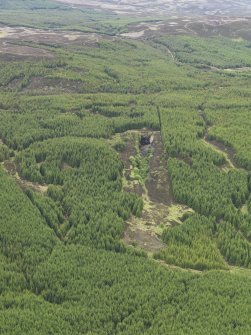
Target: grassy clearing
{"points": [[244, 209], [177, 211], [140, 167]]}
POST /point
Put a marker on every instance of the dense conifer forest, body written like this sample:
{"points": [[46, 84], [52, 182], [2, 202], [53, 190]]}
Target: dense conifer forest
{"points": [[125, 174]]}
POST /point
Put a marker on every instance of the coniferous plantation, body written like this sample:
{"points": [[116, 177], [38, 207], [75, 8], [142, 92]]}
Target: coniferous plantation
{"points": [[125, 171]]}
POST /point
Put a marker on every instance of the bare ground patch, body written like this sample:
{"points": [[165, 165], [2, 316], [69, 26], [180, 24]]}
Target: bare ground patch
{"points": [[139, 236], [15, 84], [12, 170], [53, 85], [158, 183], [11, 48], [12, 51], [160, 209]]}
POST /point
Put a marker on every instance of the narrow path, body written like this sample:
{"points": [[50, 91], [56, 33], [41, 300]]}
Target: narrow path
{"points": [[189, 29], [178, 268], [235, 270], [218, 146], [221, 148], [228, 153], [240, 271], [172, 55]]}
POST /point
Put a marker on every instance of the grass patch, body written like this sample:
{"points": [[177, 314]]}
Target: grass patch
{"points": [[176, 212], [140, 167]]}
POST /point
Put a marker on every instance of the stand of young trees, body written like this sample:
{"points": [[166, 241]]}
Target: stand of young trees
{"points": [[84, 203], [25, 238], [193, 245], [200, 181], [63, 267]]}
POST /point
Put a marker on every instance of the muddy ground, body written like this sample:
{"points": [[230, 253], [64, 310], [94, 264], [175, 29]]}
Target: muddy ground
{"points": [[160, 209], [158, 183]]}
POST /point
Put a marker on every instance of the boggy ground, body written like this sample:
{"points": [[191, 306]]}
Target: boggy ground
{"points": [[160, 209]]}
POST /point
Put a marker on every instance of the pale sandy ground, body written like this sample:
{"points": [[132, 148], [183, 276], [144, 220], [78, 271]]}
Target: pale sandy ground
{"points": [[135, 34], [3, 34]]}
